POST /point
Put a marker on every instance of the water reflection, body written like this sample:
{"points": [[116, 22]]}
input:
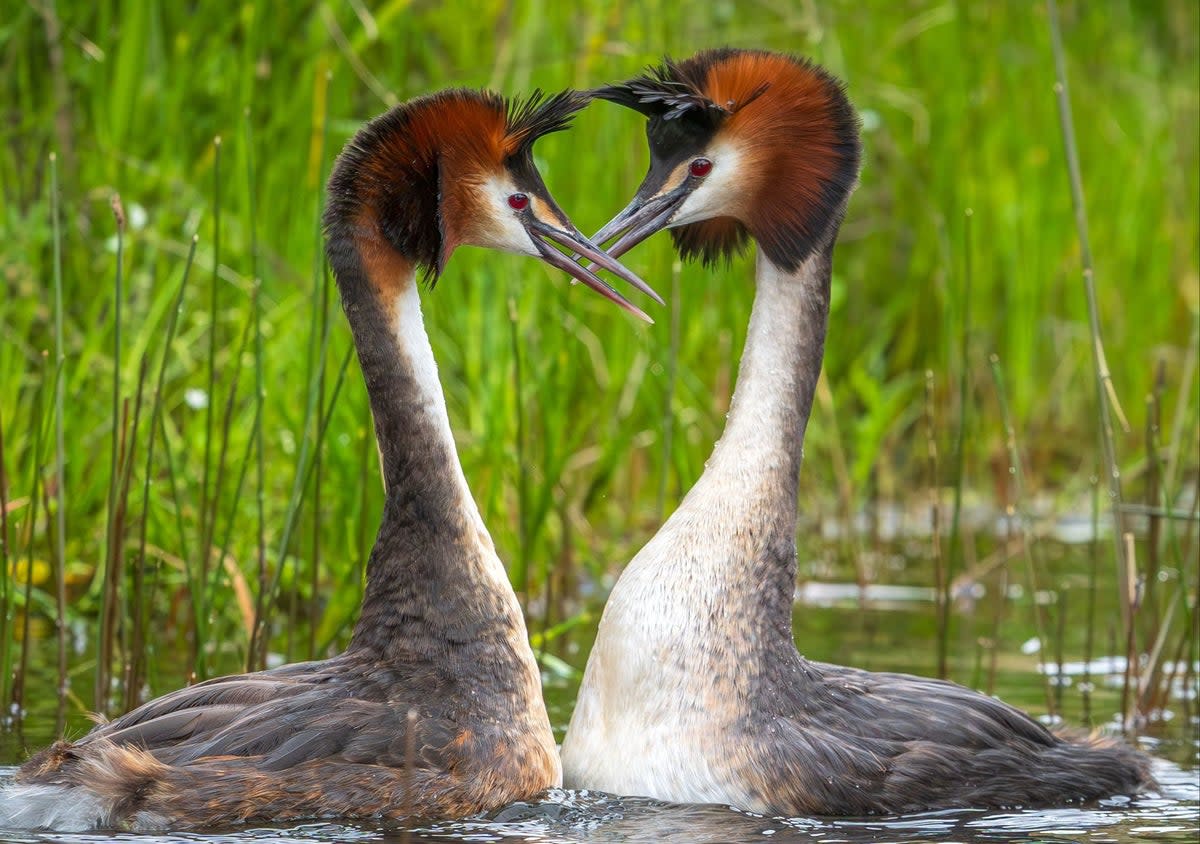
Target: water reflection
{"points": [[580, 817]]}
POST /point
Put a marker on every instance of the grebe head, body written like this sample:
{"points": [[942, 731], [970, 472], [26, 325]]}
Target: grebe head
{"points": [[743, 143], [456, 168]]}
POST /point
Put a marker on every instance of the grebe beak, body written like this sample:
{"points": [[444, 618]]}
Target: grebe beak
{"points": [[541, 232], [642, 217]]}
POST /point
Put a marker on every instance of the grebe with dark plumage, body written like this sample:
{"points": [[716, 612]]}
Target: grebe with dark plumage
{"points": [[694, 690], [435, 708]]}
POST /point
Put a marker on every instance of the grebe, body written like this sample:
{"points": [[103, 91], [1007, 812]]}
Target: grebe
{"points": [[435, 708], [694, 690]]}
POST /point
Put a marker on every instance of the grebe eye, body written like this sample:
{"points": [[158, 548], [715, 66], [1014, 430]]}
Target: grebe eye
{"points": [[700, 168], [518, 201]]}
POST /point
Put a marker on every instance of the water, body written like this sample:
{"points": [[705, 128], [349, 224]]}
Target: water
{"points": [[992, 642], [568, 816]]}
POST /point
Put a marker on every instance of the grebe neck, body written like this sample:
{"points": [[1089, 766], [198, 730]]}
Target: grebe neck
{"points": [[738, 523], [760, 451], [433, 574]]}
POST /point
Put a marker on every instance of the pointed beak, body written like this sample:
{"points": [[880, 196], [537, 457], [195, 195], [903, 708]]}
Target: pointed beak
{"points": [[641, 218], [541, 233]]}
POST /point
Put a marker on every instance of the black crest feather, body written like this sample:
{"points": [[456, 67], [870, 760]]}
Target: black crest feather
{"points": [[671, 90], [540, 114]]}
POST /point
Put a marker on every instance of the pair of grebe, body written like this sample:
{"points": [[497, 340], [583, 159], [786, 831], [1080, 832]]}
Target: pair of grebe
{"points": [[694, 690]]}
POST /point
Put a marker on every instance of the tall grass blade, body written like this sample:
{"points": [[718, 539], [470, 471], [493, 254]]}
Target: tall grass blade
{"points": [[1184, 408], [317, 361], [219, 485], [956, 561], [5, 583], [260, 471], [521, 575], [60, 450], [319, 332], [180, 531], [668, 421], [1153, 694], [941, 580], [105, 630], [35, 485], [1151, 611], [1060, 637], [1020, 519], [141, 607], [1089, 641], [243, 465], [207, 509], [314, 600], [1106, 398], [129, 449], [1130, 679]]}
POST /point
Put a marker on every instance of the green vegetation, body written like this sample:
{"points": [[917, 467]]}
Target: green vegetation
{"points": [[217, 459]]}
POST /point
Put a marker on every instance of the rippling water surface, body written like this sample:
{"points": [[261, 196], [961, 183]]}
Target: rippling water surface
{"points": [[580, 816]]}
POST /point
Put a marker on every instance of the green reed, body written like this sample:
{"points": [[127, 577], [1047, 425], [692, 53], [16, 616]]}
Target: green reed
{"points": [[138, 596], [112, 546], [1017, 516], [60, 448], [5, 579]]}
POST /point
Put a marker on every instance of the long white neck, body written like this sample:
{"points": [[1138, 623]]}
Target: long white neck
{"points": [[434, 565], [732, 539], [413, 344], [756, 462]]}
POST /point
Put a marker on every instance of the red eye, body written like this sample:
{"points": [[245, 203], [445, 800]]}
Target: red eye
{"points": [[518, 201], [700, 168]]}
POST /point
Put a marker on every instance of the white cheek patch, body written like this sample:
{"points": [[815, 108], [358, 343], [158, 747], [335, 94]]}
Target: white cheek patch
{"points": [[500, 226], [714, 196]]}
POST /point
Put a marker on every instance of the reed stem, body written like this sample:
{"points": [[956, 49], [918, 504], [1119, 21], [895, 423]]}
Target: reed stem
{"points": [[141, 607], [207, 507], [956, 557], [60, 451], [1089, 641], [1020, 519], [35, 485], [5, 597], [259, 388], [107, 608], [1106, 397], [941, 581], [318, 474], [668, 422], [1130, 680], [522, 561]]}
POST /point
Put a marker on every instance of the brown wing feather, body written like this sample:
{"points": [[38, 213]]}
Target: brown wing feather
{"points": [[210, 706], [851, 741], [284, 717]]}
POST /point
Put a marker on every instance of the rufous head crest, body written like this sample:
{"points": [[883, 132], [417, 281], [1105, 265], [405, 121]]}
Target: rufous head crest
{"points": [[782, 123], [412, 172]]}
